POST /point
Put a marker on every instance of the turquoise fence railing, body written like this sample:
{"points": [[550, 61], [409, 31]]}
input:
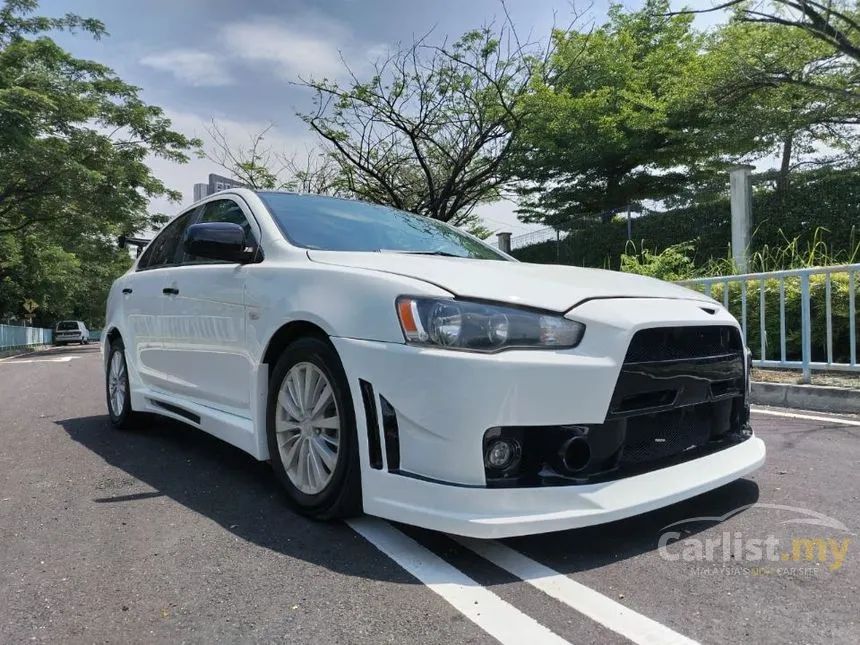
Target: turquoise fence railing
{"points": [[815, 308], [12, 336]]}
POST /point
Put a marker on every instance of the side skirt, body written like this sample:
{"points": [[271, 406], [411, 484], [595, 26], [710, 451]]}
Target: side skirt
{"points": [[235, 430]]}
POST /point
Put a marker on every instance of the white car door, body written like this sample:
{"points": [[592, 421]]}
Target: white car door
{"points": [[143, 303], [204, 322]]}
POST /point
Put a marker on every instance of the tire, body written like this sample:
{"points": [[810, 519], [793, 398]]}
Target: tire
{"points": [[329, 492], [121, 415]]}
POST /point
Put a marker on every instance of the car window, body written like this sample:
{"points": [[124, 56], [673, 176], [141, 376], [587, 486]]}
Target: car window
{"points": [[222, 210], [162, 250], [331, 224], [66, 325]]}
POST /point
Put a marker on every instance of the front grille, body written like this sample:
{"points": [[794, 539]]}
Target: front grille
{"points": [[676, 343], [662, 435], [680, 394]]}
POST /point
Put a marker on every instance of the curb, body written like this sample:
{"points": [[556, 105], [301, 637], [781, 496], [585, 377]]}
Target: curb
{"points": [[819, 398], [22, 351]]}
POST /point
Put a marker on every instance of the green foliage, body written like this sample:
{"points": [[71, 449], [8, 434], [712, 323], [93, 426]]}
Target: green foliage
{"points": [[430, 130], [822, 209], [672, 264], [74, 139], [620, 120], [645, 108], [744, 299], [782, 92], [833, 23]]}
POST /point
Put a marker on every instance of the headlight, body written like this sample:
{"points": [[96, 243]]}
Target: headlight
{"points": [[475, 326]]}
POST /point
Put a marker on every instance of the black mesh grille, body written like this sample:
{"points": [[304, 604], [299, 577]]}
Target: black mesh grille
{"points": [[678, 343], [669, 433]]}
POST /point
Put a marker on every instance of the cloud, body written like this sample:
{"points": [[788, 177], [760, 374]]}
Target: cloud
{"points": [[307, 47], [191, 66]]}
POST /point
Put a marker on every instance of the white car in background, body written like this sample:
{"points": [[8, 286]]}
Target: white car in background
{"points": [[71, 331], [387, 363]]}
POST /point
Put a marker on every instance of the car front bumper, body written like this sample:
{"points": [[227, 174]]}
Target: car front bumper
{"points": [[499, 513], [445, 401]]}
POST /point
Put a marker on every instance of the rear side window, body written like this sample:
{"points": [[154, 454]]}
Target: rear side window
{"points": [[162, 250]]}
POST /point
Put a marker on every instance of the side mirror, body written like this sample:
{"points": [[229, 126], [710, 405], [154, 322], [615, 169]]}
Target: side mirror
{"points": [[218, 241]]}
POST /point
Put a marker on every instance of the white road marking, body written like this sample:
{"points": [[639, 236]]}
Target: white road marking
{"points": [[601, 609], [499, 619], [807, 417], [62, 359]]}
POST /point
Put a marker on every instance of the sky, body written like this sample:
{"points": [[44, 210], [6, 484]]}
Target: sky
{"points": [[237, 63]]}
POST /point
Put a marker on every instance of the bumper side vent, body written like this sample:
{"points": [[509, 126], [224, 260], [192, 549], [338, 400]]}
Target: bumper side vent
{"points": [[391, 433], [373, 444]]}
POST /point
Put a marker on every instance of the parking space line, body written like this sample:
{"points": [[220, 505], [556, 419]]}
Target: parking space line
{"points": [[806, 417], [601, 609], [498, 618], [60, 359]]}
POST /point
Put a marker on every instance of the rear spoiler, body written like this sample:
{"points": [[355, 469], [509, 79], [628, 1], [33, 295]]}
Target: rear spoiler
{"points": [[140, 242]]}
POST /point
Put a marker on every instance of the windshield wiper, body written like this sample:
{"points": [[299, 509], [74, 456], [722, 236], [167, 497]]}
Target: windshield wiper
{"points": [[437, 252]]}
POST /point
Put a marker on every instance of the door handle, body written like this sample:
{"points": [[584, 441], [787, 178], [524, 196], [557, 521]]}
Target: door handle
{"points": [[170, 291], [127, 290]]}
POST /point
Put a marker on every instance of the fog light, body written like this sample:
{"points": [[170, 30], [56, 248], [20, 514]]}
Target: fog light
{"points": [[501, 454]]}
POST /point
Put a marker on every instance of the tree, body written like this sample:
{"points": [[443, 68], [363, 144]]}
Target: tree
{"points": [[259, 167], [74, 139], [432, 128], [621, 118], [781, 91], [835, 23]]}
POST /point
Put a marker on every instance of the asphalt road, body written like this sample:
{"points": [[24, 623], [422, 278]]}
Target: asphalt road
{"points": [[166, 535]]}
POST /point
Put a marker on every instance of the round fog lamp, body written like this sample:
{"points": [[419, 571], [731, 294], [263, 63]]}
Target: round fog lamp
{"points": [[501, 453]]}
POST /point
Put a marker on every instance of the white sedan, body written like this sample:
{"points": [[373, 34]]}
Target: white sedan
{"points": [[386, 363]]}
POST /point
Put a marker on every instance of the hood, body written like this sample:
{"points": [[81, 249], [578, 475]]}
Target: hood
{"points": [[545, 286]]}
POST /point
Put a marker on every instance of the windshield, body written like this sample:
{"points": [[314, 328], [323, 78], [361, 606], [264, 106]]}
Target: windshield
{"points": [[67, 325], [332, 224]]}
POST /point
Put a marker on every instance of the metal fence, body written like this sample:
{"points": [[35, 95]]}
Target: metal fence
{"points": [[12, 337], [816, 309], [537, 237]]}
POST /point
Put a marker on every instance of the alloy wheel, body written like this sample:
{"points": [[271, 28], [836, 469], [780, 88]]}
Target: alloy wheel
{"points": [[307, 428], [116, 383]]}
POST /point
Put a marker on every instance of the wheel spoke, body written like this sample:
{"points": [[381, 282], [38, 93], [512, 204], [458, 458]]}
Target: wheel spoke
{"points": [[285, 400], [322, 401], [302, 465], [328, 423], [324, 454], [293, 390], [331, 440], [290, 438], [309, 466], [290, 458], [309, 383]]}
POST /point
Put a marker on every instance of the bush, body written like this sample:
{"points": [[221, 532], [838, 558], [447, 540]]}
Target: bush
{"points": [[822, 207], [673, 262]]}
